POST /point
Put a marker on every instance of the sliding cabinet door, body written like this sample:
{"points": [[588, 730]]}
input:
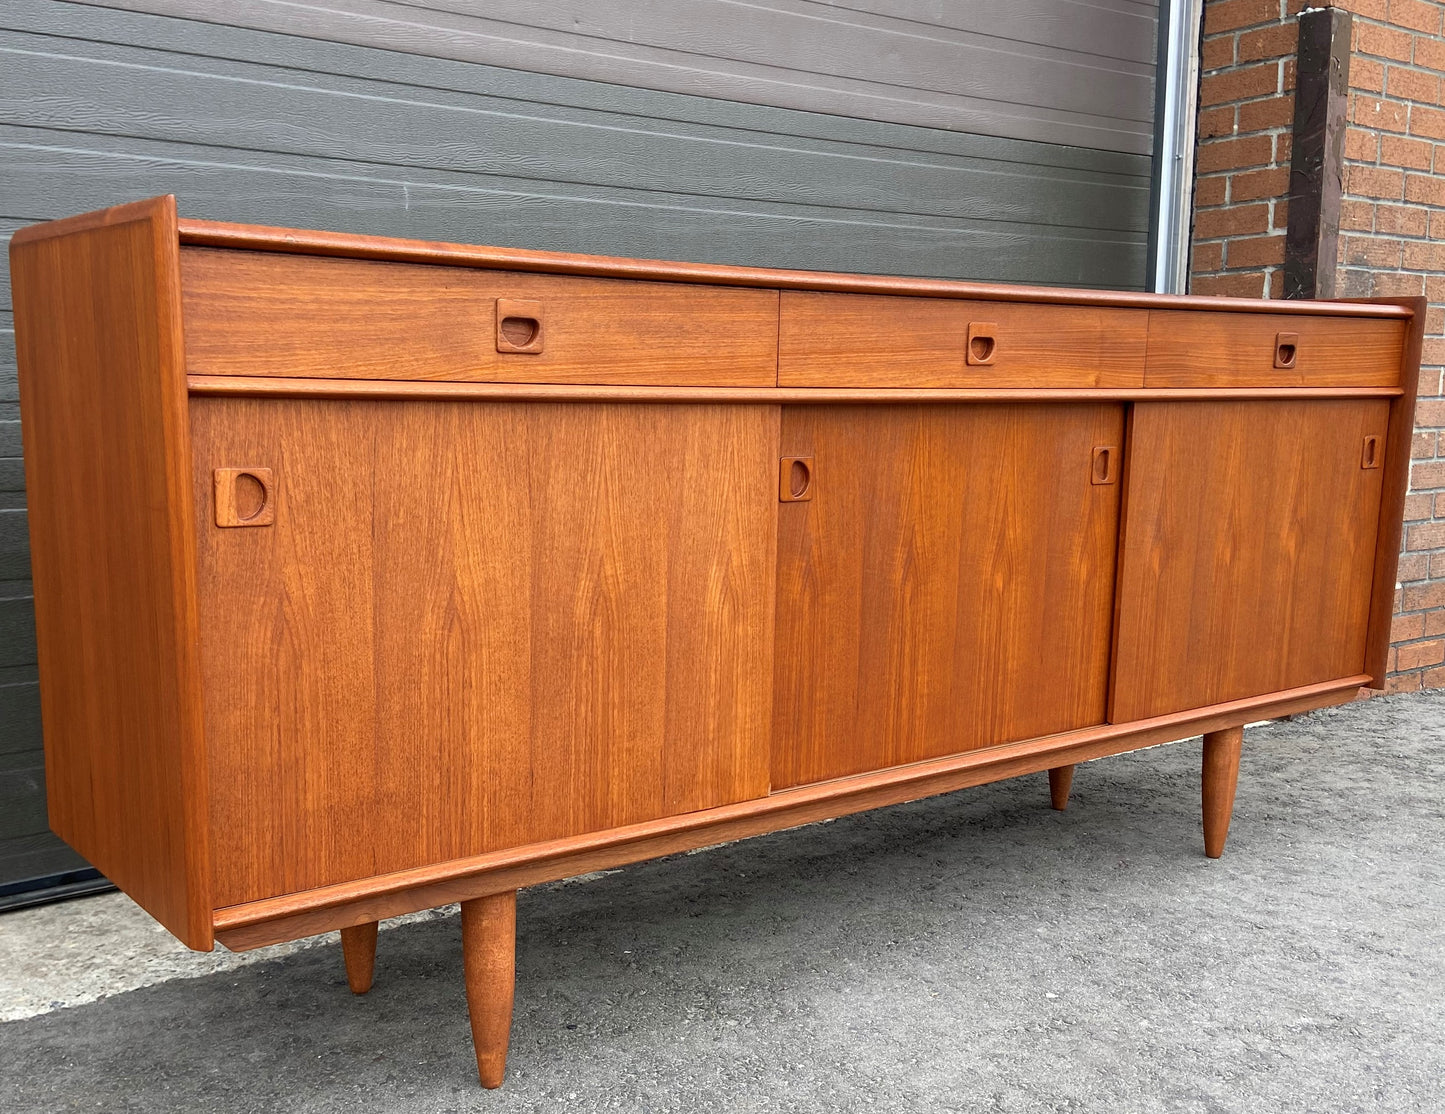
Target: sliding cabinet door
{"points": [[1248, 549], [449, 628], [945, 580]]}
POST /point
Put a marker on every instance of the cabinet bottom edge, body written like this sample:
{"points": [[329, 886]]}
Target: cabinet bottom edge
{"points": [[292, 916]]}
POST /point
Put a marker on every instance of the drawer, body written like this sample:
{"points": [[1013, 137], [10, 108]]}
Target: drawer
{"points": [[866, 340], [1221, 349], [309, 316]]}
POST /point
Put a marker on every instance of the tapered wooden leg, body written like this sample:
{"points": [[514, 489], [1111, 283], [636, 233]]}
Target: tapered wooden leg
{"points": [[1061, 778], [358, 948], [489, 950], [1221, 775]]}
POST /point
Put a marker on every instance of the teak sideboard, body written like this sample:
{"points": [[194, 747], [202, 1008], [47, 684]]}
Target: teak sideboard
{"points": [[373, 575]]}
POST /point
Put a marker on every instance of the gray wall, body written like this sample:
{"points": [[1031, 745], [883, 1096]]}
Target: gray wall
{"points": [[100, 105], [1076, 72]]}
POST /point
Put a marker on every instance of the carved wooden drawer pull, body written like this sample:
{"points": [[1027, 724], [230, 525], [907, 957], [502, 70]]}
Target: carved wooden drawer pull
{"points": [[982, 343], [1286, 350], [519, 326]]}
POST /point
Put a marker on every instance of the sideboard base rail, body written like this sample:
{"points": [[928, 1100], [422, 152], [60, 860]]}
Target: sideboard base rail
{"points": [[292, 916]]}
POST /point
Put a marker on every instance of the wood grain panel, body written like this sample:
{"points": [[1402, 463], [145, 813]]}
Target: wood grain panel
{"points": [[947, 587], [475, 626], [103, 393], [255, 237], [1189, 349], [1247, 553], [1399, 444], [296, 915], [837, 340], [253, 313], [247, 386]]}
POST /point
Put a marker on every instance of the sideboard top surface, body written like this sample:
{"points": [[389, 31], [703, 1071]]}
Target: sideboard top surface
{"points": [[306, 242], [255, 237]]}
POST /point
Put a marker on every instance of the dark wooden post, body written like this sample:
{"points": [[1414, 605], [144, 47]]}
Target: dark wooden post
{"points": [[1316, 170]]}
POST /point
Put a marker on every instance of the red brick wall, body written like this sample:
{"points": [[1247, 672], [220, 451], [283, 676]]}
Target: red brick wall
{"points": [[1392, 225]]}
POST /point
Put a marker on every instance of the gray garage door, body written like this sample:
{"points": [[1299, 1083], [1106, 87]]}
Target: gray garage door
{"points": [[999, 139]]}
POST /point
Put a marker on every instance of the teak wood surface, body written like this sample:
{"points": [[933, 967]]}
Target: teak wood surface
{"points": [[476, 627], [1248, 550], [856, 340], [373, 575], [1216, 350], [112, 543], [267, 922], [347, 245], [254, 313], [948, 585]]}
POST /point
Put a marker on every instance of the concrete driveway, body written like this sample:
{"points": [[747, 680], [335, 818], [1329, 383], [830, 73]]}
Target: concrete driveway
{"points": [[972, 952]]}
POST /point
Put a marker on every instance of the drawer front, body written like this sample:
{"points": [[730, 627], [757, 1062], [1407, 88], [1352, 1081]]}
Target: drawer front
{"points": [[1203, 349], [866, 340], [271, 314]]}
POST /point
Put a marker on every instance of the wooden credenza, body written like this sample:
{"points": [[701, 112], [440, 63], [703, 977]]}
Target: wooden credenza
{"points": [[373, 575]]}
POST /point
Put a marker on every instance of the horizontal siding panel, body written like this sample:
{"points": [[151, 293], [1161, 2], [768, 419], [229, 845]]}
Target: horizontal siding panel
{"points": [[36, 856], [14, 548], [17, 631], [261, 108], [20, 719], [992, 74], [18, 674], [1120, 30], [8, 225], [190, 40], [12, 485], [22, 793], [69, 173], [9, 375], [1123, 29]]}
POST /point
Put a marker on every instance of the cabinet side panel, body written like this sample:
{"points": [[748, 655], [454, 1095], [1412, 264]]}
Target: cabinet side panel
{"points": [[947, 586], [1248, 550], [473, 626], [102, 386], [1396, 485]]}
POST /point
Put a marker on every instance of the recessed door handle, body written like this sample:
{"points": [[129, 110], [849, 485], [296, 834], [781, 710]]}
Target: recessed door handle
{"points": [[795, 479], [244, 497], [1104, 464]]}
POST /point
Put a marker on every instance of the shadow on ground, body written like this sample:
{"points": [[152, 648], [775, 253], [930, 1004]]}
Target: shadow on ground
{"points": [[971, 952]]}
